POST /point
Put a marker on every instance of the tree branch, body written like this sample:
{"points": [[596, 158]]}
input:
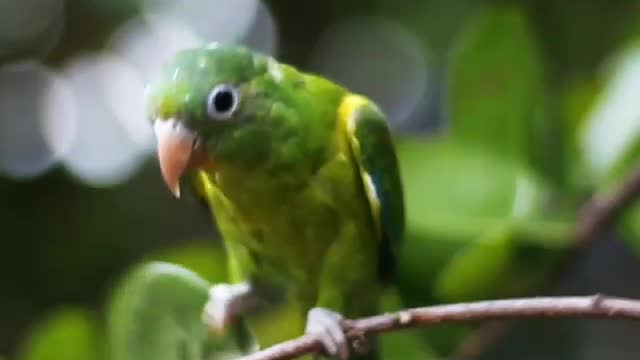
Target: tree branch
{"points": [[597, 306], [601, 209]]}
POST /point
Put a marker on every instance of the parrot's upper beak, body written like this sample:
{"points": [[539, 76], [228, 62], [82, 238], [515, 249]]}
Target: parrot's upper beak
{"points": [[178, 150]]}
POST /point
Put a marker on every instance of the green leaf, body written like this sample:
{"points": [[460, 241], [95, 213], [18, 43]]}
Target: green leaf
{"points": [[578, 99], [476, 271], [442, 178], [420, 260], [496, 89], [156, 314], [626, 164], [205, 258], [456, 192], [70, 334], [455, 198]]}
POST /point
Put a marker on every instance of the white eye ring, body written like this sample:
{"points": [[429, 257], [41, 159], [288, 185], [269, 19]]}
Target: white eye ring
{"points": [[222, 102]]}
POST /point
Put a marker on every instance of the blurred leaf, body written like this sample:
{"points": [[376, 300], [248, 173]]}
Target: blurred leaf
{"points": [[496, 91], [611, 129], [156, 314], [529, 267], [203, 257], [610, 135], [455, 195], [470, 216], [578, 99], [476, 271], [69, 334], [454, 192], [626, 164], [442, 179], [420, 261]]}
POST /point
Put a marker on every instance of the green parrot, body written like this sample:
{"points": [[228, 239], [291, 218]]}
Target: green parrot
{"points": [[301, 176]]}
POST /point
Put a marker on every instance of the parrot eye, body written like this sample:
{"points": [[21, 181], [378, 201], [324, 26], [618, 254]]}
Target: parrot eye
{"points": [[222, 102]]}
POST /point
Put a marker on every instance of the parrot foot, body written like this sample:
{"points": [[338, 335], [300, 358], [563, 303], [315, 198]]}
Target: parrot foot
{"points": [[226, 301], [325, 324]]}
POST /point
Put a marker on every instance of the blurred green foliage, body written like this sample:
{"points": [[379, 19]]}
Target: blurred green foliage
{"points": [[71, 333], [491, 198], [202, 257], [496, 84], [157, 314]]}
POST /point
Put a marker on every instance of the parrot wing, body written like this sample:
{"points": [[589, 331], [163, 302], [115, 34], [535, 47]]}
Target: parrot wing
{"points": [[372, 148]]}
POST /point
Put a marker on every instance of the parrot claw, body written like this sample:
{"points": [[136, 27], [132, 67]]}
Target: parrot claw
{"points": [[226, 301], [325, 324]]}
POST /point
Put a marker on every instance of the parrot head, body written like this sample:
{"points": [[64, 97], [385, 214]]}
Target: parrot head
{"points": [[208, 106]]}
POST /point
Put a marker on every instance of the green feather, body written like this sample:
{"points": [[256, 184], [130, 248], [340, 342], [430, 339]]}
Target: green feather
{"points": [[373, 150]]}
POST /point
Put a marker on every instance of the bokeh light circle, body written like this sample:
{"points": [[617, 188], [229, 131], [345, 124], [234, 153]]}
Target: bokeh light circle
{"points": [[378, 58], [263, 34], [58, 115], [123, 92], [33, 133], [240, 21], [148, 44], [103, 152], [211, 20]]}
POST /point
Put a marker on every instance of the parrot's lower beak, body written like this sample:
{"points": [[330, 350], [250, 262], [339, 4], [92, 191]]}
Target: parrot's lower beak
{"points": [[178, 150]]}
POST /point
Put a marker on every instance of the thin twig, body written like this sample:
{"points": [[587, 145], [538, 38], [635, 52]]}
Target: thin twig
{"points": [[597, 306], [602, 209]]}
